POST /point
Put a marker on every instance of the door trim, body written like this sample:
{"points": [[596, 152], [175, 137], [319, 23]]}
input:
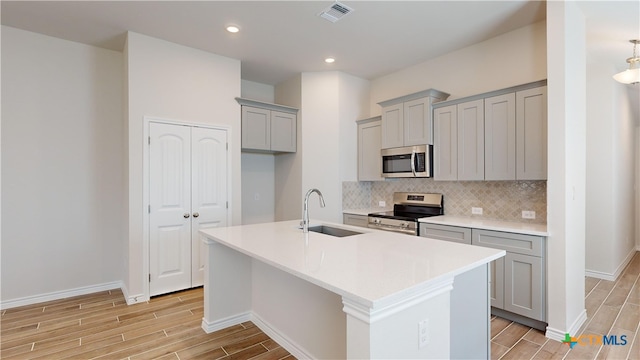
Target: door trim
{"points": [[147, 120]]}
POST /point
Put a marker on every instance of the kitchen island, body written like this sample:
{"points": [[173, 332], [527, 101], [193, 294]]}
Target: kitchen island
{"points": [[370, 295]]}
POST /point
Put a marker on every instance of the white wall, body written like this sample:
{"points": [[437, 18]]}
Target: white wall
{"points": [[566, 52], [353, 105], [288, 167], [610, 210], [62, 166], [171, 81], [258, 177], [637, 188], [514, 58], [331, 103]]}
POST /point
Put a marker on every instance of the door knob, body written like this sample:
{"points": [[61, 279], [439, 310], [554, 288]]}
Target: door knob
{"points": [[195, 214], [186, 215]]}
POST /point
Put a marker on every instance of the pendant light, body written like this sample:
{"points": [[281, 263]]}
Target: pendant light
{"points": [[632, 74]]}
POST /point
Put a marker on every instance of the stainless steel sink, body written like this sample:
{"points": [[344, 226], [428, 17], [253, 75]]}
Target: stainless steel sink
{"points": [[328, 230]]}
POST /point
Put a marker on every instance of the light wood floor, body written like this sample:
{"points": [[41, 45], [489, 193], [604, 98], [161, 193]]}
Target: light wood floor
{"points": [[613, 308], [103, 326]]}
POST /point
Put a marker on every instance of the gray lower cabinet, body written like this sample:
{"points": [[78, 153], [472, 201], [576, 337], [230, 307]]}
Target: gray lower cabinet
{"points": [[355, 220], [448, 233], [523, 282], [516, 281]]}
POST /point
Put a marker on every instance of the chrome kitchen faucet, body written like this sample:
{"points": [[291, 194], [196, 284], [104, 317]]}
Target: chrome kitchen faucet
{"points": [[305, 210]]}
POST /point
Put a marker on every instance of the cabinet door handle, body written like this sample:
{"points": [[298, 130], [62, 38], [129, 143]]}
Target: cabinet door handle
{"points": [[186, 215], [195, 214]]}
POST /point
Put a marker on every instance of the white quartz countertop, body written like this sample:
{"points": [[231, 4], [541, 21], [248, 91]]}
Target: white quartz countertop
{"points": [[496, 225], [375, 268]]}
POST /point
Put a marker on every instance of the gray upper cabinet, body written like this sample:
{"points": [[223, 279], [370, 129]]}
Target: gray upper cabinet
{"points": [[500, 137], [369, 140], [418, 127], [531, 131], [459, 141], [406, 120], [256, 128], [392, 126], [445, 143], [471, 140], [269, 128]]}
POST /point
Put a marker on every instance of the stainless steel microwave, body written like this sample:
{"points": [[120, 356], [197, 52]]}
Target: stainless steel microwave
{"points": [[406, 162]]}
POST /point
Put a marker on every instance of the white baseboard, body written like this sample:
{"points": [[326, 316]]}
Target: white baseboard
{"points": [[225, 323], [282, 340], [608, 276], [56, 295], [294, 349], [559, 335], [133, 299]]}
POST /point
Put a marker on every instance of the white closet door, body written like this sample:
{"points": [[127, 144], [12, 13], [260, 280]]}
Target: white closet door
{"points": [[209, 191], [170, 208]]}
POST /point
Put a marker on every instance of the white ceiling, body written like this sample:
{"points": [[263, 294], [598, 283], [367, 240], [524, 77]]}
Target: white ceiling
{"points": [[282, 38]]}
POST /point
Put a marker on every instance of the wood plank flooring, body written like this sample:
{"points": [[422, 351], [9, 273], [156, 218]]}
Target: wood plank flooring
{"points": [[103, 326], [613, 308]]}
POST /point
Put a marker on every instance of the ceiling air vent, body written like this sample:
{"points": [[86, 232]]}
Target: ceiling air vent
{"points": [[335, 12]]}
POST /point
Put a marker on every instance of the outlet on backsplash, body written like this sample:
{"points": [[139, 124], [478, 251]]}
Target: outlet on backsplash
{"points": [[476, 210], [382, 203], [528, 214]]}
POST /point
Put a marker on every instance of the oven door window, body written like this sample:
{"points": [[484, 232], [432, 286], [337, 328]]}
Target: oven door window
{"points": [[396, 164]]}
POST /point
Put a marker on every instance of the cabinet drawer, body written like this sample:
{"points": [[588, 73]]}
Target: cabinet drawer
{"points": [[448, 233], [355, 220], [511, 242]]}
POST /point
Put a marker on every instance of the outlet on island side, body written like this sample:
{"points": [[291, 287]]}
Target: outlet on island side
{"points": [[476, 210], [528, 214], [423, 332]]}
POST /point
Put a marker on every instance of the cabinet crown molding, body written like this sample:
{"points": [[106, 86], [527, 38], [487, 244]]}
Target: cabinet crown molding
{"points": [[266, 105], [433, 93], [493, 93]]}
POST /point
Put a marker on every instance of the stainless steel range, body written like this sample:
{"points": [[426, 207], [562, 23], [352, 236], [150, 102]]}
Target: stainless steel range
{"points": [[407, 209]]}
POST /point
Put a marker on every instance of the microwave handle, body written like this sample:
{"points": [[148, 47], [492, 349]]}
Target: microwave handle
{"points": [[413, 162]]}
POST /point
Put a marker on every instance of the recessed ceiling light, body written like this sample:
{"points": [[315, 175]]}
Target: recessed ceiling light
{"points": [[233, 28], [329, 60]]}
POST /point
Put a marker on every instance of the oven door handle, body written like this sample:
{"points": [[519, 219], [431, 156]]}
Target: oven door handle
{"points": [[392, 228], [413, 162]]}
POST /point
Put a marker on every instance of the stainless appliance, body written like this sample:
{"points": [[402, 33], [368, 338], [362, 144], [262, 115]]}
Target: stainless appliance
{"points": [[407, 209], [409, 161]]}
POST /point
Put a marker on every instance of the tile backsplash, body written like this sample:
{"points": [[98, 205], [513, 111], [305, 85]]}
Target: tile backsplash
{"points": [[499, 200]]}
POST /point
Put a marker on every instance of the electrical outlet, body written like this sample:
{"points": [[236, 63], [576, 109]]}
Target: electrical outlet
{"points": [[528, 214], [423, 332], [382, 203], [256, 196], [476, 210]]}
